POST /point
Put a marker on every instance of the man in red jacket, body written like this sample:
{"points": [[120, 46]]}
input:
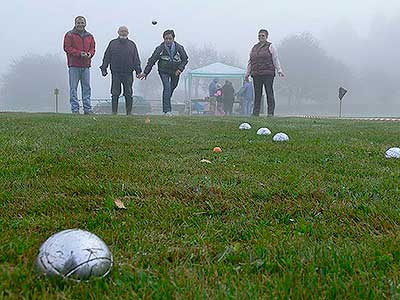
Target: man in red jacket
{"points": [[80, 47]]}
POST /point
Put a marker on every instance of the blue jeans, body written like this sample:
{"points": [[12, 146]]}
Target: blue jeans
{"points": [[82, 75], [170, 82], [248, 106]]}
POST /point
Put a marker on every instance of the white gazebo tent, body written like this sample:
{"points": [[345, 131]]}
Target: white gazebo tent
{"points": [[216, 70]]}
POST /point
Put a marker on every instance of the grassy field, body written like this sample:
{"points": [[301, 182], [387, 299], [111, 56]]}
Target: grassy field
{"points": [[315, 218]]}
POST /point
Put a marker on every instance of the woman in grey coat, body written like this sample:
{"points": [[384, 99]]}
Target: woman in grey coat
{"points": [[172, 60]]}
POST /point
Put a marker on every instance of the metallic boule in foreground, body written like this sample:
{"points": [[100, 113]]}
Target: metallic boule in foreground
{"points": [[74, 254]]}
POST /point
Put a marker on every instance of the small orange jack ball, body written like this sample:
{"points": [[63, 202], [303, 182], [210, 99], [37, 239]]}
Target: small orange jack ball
{"points": [[217, 150]]}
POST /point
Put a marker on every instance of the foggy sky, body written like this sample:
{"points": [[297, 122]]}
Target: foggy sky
{"points": [[39, 26]]}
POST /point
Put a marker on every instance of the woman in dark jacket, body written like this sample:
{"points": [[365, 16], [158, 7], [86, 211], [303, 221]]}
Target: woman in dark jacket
{"points": [[228, 94], [172, 60], [263, 65]]}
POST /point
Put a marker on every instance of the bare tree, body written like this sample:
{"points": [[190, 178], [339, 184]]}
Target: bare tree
{"points": [[312, 77], [30, 82], [374, 61]]}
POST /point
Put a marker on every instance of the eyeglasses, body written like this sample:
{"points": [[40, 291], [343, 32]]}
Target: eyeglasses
{"points": [[261, 35]]}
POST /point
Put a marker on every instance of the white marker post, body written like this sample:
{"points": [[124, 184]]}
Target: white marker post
{"points": [[56, 93]]}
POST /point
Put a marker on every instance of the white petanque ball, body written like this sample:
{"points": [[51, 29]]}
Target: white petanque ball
{"points": [[264, 131], [393, 153], [281, 137], [74, 254], [245, 126]]}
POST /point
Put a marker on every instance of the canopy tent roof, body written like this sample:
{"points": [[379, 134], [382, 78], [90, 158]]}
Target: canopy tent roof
{"points": [[218, 70]]}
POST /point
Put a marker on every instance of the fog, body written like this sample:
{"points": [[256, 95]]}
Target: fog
{"points": [[352, 32]]}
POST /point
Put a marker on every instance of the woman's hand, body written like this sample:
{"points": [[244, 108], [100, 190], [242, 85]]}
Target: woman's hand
{"points": [[142, 76]]}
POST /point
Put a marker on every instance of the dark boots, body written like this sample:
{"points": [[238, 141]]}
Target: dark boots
{"points": [[128, 105], [114, 105]]}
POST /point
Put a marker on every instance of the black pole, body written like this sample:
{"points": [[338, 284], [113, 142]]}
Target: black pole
{"points": [[342, 93]]}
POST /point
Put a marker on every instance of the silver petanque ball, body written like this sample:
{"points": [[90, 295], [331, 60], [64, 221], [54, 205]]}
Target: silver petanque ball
{"points": [[393, 153], [74, 254], [245, 126], [281, 137], [263, 131]]}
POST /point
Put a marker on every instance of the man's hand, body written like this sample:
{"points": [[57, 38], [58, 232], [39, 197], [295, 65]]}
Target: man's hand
{"points": [[104, 73], [281, 74], [84, 54], [89, 55], [178, 73], [142, 76]]}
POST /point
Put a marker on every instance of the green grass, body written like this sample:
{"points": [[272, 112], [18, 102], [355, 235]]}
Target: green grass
{"points": [[315, 218]]}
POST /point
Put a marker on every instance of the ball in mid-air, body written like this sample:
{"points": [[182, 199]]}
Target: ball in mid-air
{"points": [[281, 137], [74, 254], [154, 22], [263, 131], [245, 126], [393, 153]]}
